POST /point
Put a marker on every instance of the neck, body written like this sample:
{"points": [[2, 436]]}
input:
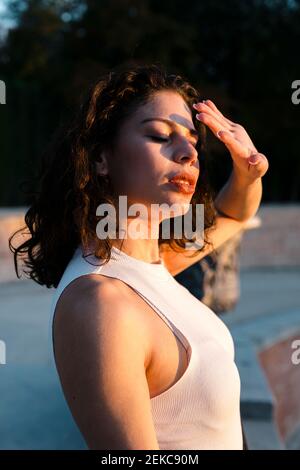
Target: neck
{"points": [[145, 247]]}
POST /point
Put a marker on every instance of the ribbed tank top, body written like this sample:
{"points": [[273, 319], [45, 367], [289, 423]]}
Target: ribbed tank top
{"points": [[202, 409]]}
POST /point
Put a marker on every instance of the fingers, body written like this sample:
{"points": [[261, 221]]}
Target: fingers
{"points": [[235, 138], [214, 122], [255, 158], [233, 145], [214, 107], [258, 162], [209, 107], [231, 134], [211, 118]]}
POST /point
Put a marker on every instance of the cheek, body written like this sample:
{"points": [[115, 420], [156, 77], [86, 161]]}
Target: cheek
{"points": [[139, 164], [148, 160]]}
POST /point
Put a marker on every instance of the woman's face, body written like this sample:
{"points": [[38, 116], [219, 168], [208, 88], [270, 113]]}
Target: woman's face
{"points": [[148, 153]]}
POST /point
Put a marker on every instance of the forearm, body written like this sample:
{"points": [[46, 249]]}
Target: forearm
{"points": [[239, 199]]}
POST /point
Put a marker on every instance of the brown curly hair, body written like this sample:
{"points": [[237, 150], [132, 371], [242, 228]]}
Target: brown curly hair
{"points": [[63, 210]]}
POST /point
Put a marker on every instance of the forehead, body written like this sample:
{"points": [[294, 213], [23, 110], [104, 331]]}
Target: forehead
{"points": [[167, 105], [167, 101]]}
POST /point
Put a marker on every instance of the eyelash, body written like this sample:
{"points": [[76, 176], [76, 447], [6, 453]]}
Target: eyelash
{"points": [[161, 139]]}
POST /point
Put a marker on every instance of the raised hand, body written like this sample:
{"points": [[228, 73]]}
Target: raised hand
{"points": [[248, 163]]}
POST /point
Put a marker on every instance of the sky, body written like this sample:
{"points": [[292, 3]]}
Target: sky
{"points": [[5, 23]]}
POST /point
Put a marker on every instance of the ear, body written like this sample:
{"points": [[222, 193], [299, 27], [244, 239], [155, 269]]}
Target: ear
{"points": [[101, 164]]}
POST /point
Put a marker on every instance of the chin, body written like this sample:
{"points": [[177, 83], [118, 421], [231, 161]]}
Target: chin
{"points": [[180, 206]]}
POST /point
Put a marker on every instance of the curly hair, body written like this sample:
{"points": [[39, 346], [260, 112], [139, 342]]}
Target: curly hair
{"points": [[62, 213]]}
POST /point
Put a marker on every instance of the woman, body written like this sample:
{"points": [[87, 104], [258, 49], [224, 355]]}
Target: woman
{"points": [[143, 364]]}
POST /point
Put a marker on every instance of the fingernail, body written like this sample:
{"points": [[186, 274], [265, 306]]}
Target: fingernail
{"points": [[225, 133], [254, 159]]}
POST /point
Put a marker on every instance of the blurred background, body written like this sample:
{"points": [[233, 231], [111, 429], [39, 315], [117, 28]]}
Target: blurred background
{"points": [[243, 56]]}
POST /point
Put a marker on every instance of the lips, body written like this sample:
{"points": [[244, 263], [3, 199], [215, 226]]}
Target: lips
{"points": [[184, 178], [183, 182]]}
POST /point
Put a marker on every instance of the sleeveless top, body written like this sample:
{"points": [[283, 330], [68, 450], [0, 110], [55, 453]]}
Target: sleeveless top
{"points": [[202, 409]]}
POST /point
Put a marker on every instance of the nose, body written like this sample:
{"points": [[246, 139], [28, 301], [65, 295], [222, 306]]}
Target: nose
{"points": [[186, 153]]}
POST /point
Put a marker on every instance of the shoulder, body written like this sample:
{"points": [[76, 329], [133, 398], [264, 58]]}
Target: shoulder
{"points": [[101, 353], [99, 305]]}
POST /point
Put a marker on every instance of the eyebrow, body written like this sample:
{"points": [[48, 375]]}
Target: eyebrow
{"points": [[172, 124]]}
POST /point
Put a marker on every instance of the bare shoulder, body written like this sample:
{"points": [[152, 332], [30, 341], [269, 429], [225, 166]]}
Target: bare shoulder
{"points": [[101, 354], [95, 301], [91, 286]]}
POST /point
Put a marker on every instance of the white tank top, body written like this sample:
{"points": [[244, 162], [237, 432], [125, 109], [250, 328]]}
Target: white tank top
{"points": [[202, 409]]}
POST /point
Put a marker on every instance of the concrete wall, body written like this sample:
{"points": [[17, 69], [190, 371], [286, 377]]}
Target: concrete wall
{"points": [[277, 241]]}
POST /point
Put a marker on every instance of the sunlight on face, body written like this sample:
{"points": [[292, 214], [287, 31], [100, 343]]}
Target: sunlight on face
{"points": [[156, 143]]}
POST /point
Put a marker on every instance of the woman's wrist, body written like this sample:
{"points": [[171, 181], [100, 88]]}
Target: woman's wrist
{"points": [[240, 197], [242, 180]]}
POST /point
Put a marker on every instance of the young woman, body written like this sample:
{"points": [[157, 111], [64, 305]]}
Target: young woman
{"points": [[143, 364]]}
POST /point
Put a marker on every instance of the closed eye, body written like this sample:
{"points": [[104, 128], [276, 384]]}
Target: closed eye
{"points": [[159, 139], [162, 139]]}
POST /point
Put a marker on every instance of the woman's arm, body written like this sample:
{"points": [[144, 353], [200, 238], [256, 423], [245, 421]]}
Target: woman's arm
{"points": [[225, 228], [236, 203], [239, 198], [241, 195], [102, 351]]}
